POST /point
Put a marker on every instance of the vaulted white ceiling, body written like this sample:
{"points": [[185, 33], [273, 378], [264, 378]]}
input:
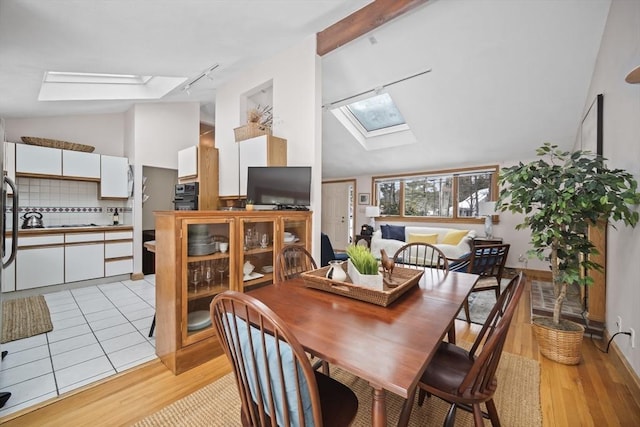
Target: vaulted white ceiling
{"points": [[506, 75]]}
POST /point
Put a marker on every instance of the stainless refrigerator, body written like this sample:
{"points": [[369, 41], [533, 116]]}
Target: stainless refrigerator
{"points": [[8, 253]]}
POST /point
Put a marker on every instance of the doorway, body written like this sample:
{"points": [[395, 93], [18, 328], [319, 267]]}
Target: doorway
{"points": [[338, 206]]}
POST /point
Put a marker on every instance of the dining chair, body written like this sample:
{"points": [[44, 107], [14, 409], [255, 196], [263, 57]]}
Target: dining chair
{"points": [[488, 262], [275, 379], [291, 262], [425, 255], [327, 253], [466, 378], [421, 255]]}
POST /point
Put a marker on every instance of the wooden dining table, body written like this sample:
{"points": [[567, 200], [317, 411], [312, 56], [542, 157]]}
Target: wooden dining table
{"points": [[389, 347]]}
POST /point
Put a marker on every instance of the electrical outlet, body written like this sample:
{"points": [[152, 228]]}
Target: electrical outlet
{"points": [[633, 337], [619, 324]]}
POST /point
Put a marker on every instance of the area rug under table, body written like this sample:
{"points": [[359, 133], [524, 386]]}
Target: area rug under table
{"points": [[517, 400], [24, 318]]}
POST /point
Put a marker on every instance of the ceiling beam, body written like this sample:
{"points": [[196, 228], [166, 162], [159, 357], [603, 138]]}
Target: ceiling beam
{"points": [[361, 22]]}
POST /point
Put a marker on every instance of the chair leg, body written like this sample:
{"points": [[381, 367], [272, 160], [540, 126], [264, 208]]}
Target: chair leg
{"points": [[497, 292], [405, 413], [493, 413], [153, 326], [325, 368], [477, 415], [450, 420], [466, 310]]}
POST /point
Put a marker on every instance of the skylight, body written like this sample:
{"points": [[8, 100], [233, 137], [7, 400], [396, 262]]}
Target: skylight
{"points": [[69, 86], [376, 113], [375, 122], [95, 78]]}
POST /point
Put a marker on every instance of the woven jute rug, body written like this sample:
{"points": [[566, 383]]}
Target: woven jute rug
{"points": [[517, 400], [25, 317]]}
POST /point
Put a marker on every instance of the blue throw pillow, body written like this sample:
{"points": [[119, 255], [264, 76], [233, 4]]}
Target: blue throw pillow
{"points": [[395, 232]]}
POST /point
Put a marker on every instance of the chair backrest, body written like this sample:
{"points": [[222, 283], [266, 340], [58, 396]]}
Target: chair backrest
{"points": [[489, 260], [291, 261], [272, 371], [487, 348], [326, 250], [420, 255]]}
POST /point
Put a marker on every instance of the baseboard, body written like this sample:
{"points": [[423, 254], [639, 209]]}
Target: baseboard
{"points": [[634, 376]]}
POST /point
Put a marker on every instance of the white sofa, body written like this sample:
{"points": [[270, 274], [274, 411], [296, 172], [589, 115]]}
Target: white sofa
{"points": [[451, 251]]}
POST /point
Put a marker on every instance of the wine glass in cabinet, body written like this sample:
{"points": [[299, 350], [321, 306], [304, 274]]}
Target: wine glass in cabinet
{"points": [[256, 260]]}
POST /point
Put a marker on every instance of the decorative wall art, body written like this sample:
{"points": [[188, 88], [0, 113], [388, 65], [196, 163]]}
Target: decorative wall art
{"points": [[363, 198]]}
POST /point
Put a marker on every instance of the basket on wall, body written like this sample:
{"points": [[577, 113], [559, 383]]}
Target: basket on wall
{"points": [[251, 130], [55, 143], [562, 346]]}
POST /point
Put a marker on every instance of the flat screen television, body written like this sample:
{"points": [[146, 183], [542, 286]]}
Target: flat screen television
{"points": [[279, 185]]}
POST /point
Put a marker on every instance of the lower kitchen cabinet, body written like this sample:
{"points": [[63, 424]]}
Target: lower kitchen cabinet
{"points": [[83, 261], [36, 267]]}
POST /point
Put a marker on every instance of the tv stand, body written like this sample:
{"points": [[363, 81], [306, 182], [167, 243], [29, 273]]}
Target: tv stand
{"points": [[292, 208]]}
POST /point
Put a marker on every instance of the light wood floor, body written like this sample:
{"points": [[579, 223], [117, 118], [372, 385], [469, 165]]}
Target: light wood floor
{"points": [[597, 392]]}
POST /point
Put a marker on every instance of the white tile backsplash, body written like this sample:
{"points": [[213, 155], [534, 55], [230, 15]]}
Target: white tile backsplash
{"points": [[64, 202]]}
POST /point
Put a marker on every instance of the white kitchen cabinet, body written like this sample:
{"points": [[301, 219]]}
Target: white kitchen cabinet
{"points": [[40, 261], [10, 162], [9, 273], [264, 150], [33, 159], [118, 253], [80, 164], [83, 256], [118, 266], [188, 162], [83, 261], [114, 177]]}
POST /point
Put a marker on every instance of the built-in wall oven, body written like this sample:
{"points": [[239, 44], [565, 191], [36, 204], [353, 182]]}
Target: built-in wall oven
{"points": [[186, 197]]}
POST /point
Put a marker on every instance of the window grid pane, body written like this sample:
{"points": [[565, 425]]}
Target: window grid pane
{"points": [[473, 189], [388, 196], [429, 196]]}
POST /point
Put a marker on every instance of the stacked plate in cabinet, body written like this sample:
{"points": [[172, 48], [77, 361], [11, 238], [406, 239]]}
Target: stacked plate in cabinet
{"points": [[200, 242]]}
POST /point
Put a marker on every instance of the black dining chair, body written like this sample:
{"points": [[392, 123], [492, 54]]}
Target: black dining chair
{"points": [[275, 379], [466, 378]]}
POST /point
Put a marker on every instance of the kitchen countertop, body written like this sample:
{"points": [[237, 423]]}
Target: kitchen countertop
{"points": [[81, 229]]}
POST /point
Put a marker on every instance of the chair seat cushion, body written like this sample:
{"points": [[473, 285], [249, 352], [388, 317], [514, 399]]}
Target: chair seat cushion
{"points": [[486, 283], [339, 403], [447, 368]]}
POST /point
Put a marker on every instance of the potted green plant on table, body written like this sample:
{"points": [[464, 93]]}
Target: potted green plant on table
{"points": [[561, 195], [362, 267]]}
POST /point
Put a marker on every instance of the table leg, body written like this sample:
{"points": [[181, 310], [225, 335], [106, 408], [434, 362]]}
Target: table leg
{"points": [[378, 408]]}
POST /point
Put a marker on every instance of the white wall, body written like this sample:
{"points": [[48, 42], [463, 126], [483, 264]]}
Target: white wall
{"points": [[103, 131], [619, 54], [295, 74], [161, 130]]}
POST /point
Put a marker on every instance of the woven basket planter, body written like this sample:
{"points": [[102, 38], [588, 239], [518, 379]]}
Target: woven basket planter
{"points": [[560, 346]]}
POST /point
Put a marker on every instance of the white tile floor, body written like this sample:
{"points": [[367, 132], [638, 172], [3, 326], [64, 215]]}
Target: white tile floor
{"points": [[97, 331]]}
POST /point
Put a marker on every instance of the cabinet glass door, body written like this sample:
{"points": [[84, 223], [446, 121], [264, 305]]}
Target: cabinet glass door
{"points": [[206, 272], [296, 231], [255, 266]]}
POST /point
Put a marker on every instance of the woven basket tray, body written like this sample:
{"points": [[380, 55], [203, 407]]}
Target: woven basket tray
{"points": [[405, 278], [250, 130], [54, 143]]}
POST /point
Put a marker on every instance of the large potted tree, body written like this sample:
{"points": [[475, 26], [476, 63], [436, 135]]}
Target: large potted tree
{"points": [[561, 195]]}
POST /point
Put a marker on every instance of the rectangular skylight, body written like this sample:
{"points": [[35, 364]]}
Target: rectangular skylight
{"points": [[376, 113], [74, 86], [95, 78]]}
